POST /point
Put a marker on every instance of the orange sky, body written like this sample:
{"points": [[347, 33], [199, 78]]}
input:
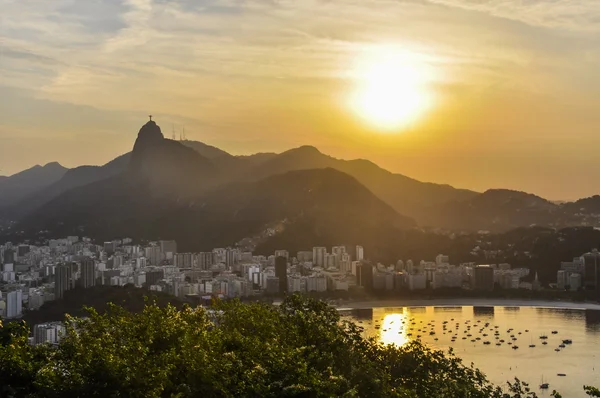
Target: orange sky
{"points": [[517, 84]]}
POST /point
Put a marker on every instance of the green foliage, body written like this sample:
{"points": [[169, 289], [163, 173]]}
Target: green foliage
{"points": [[299, 349]]}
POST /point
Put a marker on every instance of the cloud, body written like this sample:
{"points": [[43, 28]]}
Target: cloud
{"points": [[573, 15]]}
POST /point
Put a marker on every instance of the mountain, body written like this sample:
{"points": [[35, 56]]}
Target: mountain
{"points": [[20, 185], [169, 190], [495, 210], [406, 195], [169, 166], [208, 151], [73, 178], [335, 205], [185, 171], [257, 158], [231, 166], [589, 205]]}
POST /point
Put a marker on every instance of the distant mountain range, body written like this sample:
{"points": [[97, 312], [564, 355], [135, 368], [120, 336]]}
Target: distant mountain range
{"points": [[28, 182], [206, 197]]}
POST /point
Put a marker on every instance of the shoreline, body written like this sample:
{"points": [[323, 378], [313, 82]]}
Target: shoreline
{"points": [[465, 302]]}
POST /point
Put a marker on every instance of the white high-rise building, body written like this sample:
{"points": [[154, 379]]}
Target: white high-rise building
{"points": [[14, 304], [345, 263], [319, 256], [360, 253]]}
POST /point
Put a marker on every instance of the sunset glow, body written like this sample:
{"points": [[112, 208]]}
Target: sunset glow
{"points": [[392, 92]]}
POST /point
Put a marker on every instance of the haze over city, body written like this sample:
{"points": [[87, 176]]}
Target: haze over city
{"points": [[474, 94]]}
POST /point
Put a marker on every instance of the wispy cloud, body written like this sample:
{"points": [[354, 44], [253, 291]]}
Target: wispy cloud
{"points": [[573, 15], [254, 70]]}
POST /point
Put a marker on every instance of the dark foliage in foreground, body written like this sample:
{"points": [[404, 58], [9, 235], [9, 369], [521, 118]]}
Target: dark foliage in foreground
{"points": [[300, 349], [99, 298]]}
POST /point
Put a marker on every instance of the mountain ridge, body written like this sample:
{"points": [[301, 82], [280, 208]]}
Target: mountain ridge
{"points": [[18, 186], [187, 170]]}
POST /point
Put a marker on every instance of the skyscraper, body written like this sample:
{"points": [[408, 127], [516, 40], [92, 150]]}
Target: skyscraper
{"points": [[14, 303], [483, 276], [365, 275], [360, 253], [205, 260], [281, 273], [88, 273], [319, 256], [168, 246], [62, 280], [591, 270], [9, 256], [231, 257]]}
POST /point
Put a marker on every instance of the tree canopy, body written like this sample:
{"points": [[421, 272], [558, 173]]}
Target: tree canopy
{"points": [[301, 348]]}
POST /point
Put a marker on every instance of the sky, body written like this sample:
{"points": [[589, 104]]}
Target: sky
{"points": [[516, 83]]}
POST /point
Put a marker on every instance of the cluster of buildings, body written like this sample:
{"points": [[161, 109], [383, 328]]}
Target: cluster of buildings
{"points": [[581, 273], [33, 275], [440, 274]]}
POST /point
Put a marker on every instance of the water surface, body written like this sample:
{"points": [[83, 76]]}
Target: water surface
{"points": [[437, 326]]}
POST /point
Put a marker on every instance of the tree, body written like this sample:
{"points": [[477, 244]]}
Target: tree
{"points": [[300, 349]]}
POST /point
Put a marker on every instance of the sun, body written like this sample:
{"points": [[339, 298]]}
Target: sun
{"points": [[392, 90]]}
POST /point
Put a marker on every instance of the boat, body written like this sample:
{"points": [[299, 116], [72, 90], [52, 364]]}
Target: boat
{"points": [[544, 385]]}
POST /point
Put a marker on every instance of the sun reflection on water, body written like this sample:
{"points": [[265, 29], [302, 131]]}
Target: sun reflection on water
{"points": [[394, 329]]}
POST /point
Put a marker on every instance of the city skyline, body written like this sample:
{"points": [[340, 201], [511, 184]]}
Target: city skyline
{"points": [[510, 105]]}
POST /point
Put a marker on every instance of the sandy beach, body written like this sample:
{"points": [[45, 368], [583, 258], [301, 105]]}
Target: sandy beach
{"points": [[461, 302]]}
